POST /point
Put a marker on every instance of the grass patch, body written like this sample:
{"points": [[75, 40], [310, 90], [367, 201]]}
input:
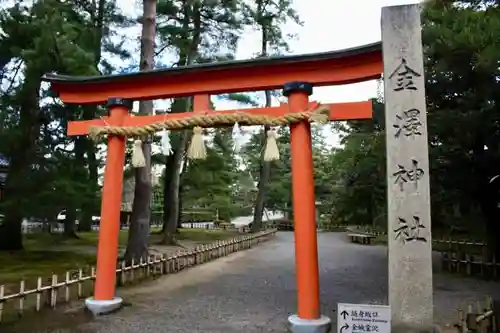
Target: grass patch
{"points": [[38, 241], [44, 240], [29, 265], [46, 254]]}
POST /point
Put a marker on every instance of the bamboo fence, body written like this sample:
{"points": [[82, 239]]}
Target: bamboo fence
{"points": [[481, 318], [469, 257], [456, 260], [76, 284]]}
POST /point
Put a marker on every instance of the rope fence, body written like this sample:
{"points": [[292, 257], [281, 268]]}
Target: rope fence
{"points": [[318, 114]]}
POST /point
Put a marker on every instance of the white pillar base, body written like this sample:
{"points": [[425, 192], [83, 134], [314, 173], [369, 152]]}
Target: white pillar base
{"points": [[320, 325], [100, 307]]}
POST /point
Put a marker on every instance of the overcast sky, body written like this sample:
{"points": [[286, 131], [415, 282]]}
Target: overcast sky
{"points": [[328, 25]]}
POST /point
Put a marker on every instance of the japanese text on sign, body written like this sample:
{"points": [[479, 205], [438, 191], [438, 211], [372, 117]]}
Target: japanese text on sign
{"points": [[355, 318], [409, 231], [404, 76], [408, 123], [404, 175]]}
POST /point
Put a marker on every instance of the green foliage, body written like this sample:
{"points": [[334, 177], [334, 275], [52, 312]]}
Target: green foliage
{"points": [[462, 53], [49, 171], [210, 183], [357, 173], [279, 195], [207, 30], [462, 57], [270, 16]]}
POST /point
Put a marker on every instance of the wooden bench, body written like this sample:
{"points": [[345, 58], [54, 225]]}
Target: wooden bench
{"points": [[361, 238]]}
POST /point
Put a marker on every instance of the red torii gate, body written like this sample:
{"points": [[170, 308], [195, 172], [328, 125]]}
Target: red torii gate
{"points": [[329, 68]]}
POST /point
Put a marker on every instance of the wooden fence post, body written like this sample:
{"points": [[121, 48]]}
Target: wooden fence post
{"points": [[53, 292], [38, 294]]}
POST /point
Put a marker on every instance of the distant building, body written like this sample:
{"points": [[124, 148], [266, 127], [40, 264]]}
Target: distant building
{"points": [[4, 168]]}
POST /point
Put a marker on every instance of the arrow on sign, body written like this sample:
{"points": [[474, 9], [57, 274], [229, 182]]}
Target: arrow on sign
{"points": [[344, 314], [345, 327]]}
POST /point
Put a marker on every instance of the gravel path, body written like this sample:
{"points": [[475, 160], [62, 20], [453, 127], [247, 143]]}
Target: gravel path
{"points": [[254, 291]]}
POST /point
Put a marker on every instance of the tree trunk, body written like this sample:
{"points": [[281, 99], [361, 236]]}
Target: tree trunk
{"points": [[70, 224], [179, 211], [85, 224], [17, 188], [167, 179], [11, 237], [167, 194], [88, 208], [491, 212], [492, 232], [488, 193], [265, 168], [138, 233], [173, 190], [186, 58], [264, 176], [89, 113], [137, 246]]}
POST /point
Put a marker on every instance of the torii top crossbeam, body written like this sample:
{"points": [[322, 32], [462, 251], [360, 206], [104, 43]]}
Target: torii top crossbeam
{"points": [[321, 69]]}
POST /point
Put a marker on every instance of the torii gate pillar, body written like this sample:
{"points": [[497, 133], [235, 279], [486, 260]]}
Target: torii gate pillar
{"points": [[308, 318], [104, 300]]}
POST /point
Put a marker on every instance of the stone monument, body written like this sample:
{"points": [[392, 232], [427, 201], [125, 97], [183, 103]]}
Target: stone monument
{"points": [[409, 218]]}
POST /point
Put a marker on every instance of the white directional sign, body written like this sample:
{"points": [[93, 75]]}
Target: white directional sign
{"points": [[361, 318]]}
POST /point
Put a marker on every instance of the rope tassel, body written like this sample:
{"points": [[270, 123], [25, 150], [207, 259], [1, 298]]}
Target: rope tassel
{"points": [[138, 160], [271, 152], [197, 149]]}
